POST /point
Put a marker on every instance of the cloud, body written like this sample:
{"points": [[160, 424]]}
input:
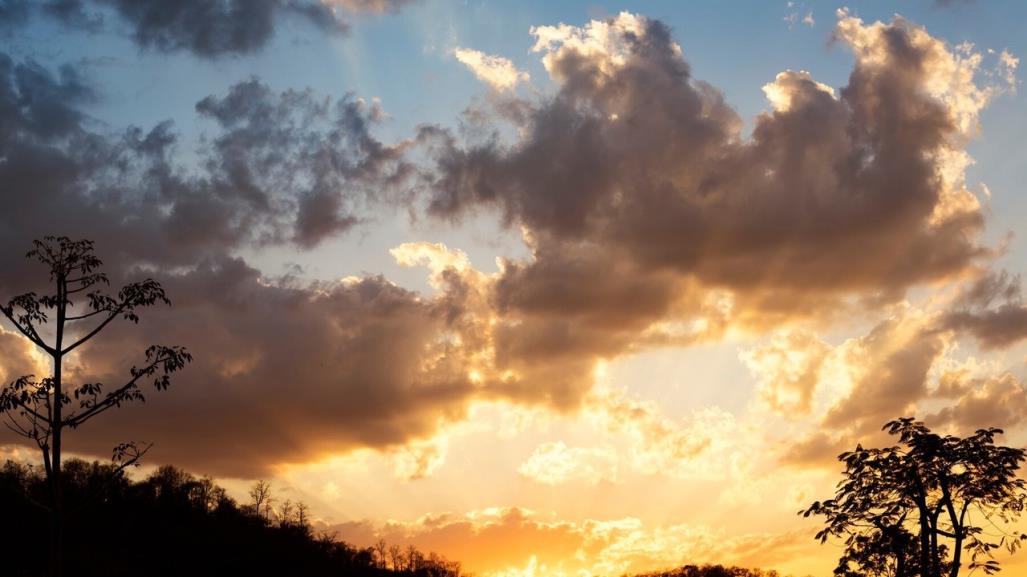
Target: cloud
{"points": [[18, 358], [289, 168], [632, 437], [511, 541], [14, 13], [286, 374], [708, 444], [320, 153], [904, 366], [992, 310], [908, 364], [653, 221], [498, 72], [999, 401], [629, 122], [995, 328], [795, 16], [214, 29], [371, 6], [74, 14], [203, 28], [650, 220], [788, 370], [281, 168], [418, 460], [837, 395], [889, 368], [556, 463]]}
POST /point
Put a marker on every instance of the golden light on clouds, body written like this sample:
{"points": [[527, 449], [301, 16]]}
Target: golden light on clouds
{"points": [[830, 261]]}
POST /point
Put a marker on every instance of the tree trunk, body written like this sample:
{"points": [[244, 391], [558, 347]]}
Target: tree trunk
{"points": [[957, 527], [57, 514], [954, 571], [935, 554], [900, 558], [925, 542]]}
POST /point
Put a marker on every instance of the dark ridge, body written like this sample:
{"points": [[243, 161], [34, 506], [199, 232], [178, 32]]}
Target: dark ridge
{"points": [[174, 524]]}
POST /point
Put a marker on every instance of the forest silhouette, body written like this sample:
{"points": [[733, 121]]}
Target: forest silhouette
{"points": [[909, 510], [172, 523]]}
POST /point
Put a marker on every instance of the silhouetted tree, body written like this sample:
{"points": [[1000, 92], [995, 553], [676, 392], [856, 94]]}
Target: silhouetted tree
{"points": [[395, 557], [41, 409], [413, 559], [261, 499], [302, 514], [207, 495], [896, 506], [285, 513], [381, 550]]}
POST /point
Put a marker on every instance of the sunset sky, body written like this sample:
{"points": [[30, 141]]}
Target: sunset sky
{"points": [[550, 288]]}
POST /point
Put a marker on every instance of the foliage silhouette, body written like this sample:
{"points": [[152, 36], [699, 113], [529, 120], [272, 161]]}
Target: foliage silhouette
{"points": [[41, 409], [174, 524], [896, 507]]}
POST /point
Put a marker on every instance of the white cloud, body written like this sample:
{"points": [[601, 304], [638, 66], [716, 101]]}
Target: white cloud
{"points": [[496, 71], [555, 463]]}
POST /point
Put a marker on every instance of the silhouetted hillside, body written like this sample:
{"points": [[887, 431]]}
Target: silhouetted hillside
{"points": [[173, 524]]}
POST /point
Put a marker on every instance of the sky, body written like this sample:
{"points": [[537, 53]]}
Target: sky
{"points": [[550, 288]]}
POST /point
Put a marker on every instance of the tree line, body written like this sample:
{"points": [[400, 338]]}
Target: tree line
{"points": [[172, 523]]}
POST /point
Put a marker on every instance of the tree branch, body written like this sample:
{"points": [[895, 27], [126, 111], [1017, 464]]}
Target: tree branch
{"points": [[112, 397], [30, 332], [85, 316], [114, 313]]}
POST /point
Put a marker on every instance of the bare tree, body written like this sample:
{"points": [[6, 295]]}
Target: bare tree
{"points": [[285, 513], [414, 558], [380, 551], [395, 557], [59, 323], [302, 514], [260, 494]]}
